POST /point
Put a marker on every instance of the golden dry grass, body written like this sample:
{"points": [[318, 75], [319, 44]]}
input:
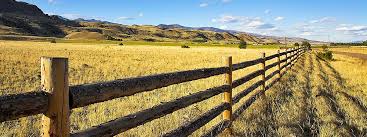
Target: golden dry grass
{"points": [[351, 49], [293, 105], [316, 98], [20, 72]]}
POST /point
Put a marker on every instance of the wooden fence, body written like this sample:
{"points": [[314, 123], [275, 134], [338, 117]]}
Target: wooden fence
{"points": [[57, 99]]}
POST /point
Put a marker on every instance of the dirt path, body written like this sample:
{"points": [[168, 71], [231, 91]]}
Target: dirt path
{"points": [[311, 100]]}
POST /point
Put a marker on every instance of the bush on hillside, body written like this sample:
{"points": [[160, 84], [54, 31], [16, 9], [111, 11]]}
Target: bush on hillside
{"points": [[333, 44], [121, 44], [326, 55], [350, 44], [199, 40], [149, 39], [53, 41], [243, 44], [296, 44], [324, 47], [306, 44], [112, 38], [185, 46]]}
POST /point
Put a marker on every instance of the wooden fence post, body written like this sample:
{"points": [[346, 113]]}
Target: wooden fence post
{"points": [[54, 80], [291, 57], [263, 85], [286, 58], [227, 114], [279, 73]]}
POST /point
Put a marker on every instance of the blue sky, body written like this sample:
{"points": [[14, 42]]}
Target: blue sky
{"points": [[334, 20]]}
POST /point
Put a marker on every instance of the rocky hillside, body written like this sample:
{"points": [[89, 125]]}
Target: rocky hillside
{"points": [[21, 18], [12, 6]]}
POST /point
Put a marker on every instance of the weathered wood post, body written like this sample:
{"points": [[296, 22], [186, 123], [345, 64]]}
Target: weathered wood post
{"points": [[227, 114], [263, 85], [54, 80], [279, 70], [286, 59], [291, 58]]}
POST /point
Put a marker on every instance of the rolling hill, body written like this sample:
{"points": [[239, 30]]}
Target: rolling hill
{"points": [[23, 19]]}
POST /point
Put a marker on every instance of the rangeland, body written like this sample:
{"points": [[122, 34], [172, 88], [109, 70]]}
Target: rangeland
{"points": [[20, 62], [315, 98]]}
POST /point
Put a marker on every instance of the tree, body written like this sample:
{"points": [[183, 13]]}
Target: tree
{"points": [[306, 44], [365, 43], [185, 46], [333, 44], [243, 44], [53, 41], [296, 44]]}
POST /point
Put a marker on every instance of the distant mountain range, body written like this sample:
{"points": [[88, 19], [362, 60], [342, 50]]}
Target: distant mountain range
{"points": [[274, 38], [21, 18], [91, 20], [177, 26]]}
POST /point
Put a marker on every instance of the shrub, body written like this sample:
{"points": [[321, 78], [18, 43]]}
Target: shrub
{"points": [[243, 44], [296, 44], [306, 44], [112, 38], [327, 55], [149, 39], [53, 41], [185, 46], [324, 47], [333, 44], [199, 40], [121, 44], [365, 43]]}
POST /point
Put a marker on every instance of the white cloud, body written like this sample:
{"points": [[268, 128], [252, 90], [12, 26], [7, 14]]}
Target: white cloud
{"points": [[279, 18], [228, 19], [51, 1], [141, 14], [306, 33], [203, 5], [71, 16], [356, 30], [314, 28], [352, 28], [267, 11], [50, 13], [255, 23], [258, 24], [345, 25], [125, 18], [323, 20], [245, 23], [223, 27]]}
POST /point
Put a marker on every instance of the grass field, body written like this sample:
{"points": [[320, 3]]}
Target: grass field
{"points": [[351, 49], [318, 100], [20, 69], [179, 43]]}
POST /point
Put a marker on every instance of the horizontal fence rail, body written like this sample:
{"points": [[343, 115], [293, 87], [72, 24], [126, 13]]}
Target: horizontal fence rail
{"points": [[55, 104], [21, 105], [133, 120], [84, 95]]}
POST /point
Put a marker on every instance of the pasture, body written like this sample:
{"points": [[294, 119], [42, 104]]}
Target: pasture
{"points": [[315, 98]]}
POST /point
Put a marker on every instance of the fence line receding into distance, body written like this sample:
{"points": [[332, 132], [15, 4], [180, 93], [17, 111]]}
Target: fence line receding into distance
{"points": [[56, 99]]}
